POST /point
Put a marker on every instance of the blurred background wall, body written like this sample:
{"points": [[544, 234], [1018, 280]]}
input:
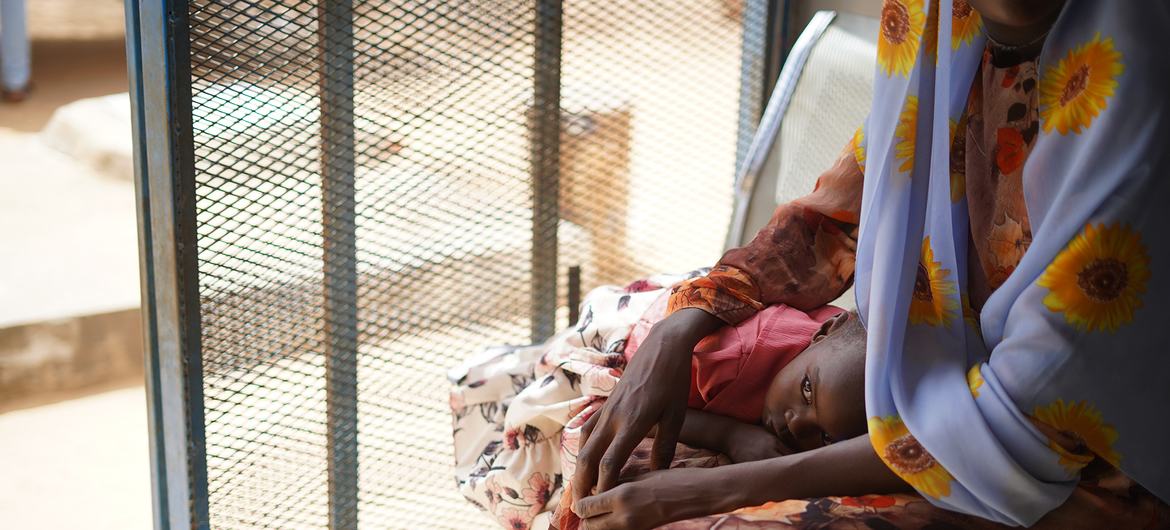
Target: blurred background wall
{"points": [[73, 441]]}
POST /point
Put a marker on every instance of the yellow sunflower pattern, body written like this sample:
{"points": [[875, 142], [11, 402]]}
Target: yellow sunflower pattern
{"points": [[933, 301], [906, 134], [975, 380], [970, 315], [930, 32], [902, 25], [858, 145], [958, 157], [965, 24], [1075, 90], [1097, 281], [1086, 428], [902, 453]]}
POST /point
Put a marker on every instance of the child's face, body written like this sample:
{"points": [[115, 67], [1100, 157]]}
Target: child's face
{"points": [[819, 397]]}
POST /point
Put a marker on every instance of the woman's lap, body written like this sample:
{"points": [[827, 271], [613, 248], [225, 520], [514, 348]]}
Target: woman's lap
{"points": [[1108, 499]]}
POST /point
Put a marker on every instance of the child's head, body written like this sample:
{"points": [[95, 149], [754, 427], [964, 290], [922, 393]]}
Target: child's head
{"points": [[819, 396]]}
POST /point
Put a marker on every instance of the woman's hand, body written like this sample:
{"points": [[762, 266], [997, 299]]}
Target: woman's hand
{"points": [[749, 443], [848, 467], [652, 392], [657, 498]]}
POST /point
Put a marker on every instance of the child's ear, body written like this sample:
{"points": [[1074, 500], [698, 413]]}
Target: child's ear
{"points": [[826, 326]]}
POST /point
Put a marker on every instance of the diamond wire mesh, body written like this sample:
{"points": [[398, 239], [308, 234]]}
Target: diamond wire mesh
{"points": [[442, 97]]}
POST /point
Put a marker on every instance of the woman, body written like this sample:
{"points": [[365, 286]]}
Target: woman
{"points": [[1006, 251]]}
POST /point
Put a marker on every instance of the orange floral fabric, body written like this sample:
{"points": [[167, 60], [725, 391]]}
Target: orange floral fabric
{"points": [[804, 257]]}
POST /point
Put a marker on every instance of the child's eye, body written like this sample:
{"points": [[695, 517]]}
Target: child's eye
{"points": [[825, 438], [806, 390]]}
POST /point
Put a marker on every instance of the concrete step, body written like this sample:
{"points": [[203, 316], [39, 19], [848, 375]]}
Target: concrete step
{"points": [[69, 293], [95, 133], [69, 277]]}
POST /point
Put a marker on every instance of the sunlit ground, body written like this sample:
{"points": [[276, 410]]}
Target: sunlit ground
{"points": [[81, 463]]}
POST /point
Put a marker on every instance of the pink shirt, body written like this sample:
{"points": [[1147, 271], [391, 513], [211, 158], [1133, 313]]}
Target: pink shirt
{"points": [[732, 368]]}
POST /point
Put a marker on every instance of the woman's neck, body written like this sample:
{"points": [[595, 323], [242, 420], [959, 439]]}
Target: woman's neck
{"points": [[1015, 22], [1017, 28]]}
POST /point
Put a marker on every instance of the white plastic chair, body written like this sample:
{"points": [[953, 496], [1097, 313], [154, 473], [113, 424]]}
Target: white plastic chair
{"points": [[823, 94]]}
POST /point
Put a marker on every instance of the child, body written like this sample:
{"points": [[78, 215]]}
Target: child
{"points": [[812, 400], [772, 370], [807, 398]]}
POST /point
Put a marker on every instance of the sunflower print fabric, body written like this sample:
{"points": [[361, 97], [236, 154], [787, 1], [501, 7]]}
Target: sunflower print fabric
{"points": [[1044, 223], [1086, 428], [965, 24], [1078, 88], [906, 133], [902, 26], [1064, 328], [907, 458], [1098, 280], [933, 301], [975, 380], [857, 146]]}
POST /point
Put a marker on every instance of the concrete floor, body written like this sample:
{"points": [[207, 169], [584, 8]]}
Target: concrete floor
{"points": [[81, 463]]}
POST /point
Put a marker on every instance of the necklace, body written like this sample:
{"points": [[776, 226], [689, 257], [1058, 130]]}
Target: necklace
{"points": [[1011, 48]]}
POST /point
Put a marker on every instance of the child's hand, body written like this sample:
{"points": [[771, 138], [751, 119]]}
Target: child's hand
{"points": [[749, 443]]}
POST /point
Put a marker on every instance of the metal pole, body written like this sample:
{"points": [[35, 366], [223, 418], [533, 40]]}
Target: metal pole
{"points": [[574, 298], [752, 66], [158, 57], [776, 44], [338, 203], [545, 134], [15, 58]]}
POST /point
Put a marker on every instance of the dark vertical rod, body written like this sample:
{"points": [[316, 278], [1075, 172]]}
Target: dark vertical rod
{"points": [[544, 131], [338, 204], [574, 295], [187, 241], [159, 61], [776, 45]]}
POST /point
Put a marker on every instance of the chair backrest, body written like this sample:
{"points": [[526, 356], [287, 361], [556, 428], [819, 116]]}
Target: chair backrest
{"points": [[823, 94]]}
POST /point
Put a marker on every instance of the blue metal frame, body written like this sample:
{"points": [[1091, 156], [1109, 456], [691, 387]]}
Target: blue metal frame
{"points": [[15, 54], [761, 145], [160, 90], [753, 59]]}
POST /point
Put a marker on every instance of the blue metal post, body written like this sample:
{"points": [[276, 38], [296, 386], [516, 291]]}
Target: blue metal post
{"points": [[15, 59], [158, 58], [751, 67]]}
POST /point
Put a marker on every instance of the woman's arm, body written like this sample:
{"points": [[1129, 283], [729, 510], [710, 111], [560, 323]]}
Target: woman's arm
{"points": [[652, 393], [850, 467]]}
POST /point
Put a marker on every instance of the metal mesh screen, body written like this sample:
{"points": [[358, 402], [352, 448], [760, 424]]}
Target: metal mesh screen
{"points": [[383, 188]]}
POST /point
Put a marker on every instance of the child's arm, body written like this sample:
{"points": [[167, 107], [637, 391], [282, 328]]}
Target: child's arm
{"points": [[741, 442]]}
